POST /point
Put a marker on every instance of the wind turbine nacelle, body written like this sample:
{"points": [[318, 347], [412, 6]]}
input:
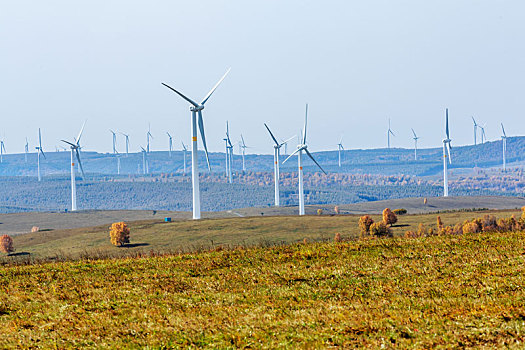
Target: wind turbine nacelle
{"points": [[196, 109]]}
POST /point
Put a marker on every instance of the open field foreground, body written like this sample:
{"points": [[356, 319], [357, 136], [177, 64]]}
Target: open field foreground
{"points": [[440, 291], [190, 236]]}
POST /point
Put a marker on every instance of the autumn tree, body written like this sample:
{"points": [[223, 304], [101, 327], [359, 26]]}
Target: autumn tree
{"points": [[119, 234], [380, 229], [389, 218], [6, 244], [364, 224]]}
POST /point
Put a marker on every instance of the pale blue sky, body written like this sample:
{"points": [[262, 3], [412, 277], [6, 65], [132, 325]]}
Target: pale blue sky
{"points": [[355, 62]]}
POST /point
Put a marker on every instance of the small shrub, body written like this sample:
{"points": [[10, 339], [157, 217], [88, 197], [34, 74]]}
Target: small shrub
{"points": [[470, 227], [489, 223], [119, 234], [319, 211], [523, 213], [6, 244], [380, 229], [425, 201], [400, 211], [421, 230], [336, 209], [35, 229], [389, 218], [364, 224], [337, 238], [430, 232], [305, 241], [439, 222], [411, 234]]}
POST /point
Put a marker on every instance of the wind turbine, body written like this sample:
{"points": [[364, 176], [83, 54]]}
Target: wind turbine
{"points": [[184, 150], [114, 141], [339, 149], [127, 143], [446, 150], [483, 135], [228, 148], [148, 136], [475, 131], [300, 148], [276, 151], [504, 141], [145, 165], [75, 146], [388, 133], [170, 143], [243, 146], [415, 143], [196, 109], [39, 151], [2, 151], [26, 150]]}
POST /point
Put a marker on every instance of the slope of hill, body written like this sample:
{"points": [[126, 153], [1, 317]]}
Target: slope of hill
{"points": [[437, 292]]}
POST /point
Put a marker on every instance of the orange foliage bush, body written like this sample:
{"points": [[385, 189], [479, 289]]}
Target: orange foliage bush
{"points": [[337, 237], [336, 209], [6, 244], [364, 224], [389, 218], [119, 234], [380, 229]]}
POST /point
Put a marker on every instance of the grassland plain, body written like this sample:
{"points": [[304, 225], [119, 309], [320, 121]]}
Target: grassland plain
{"points": [[188, 235], [443, 291]]}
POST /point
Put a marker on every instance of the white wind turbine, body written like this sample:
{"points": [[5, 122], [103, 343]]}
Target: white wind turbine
{"points": [[446, 151], [127, 143], [300, 148], [415, 144], [184, 150], [148, 137], [170, 143], [75, 147], [475, 131], [114, 141], [504, 141], [229, 154], [2, 151], [145, 165], [196, 109], [26, 150], [276, 153], [388, 133], [483, 135], [39, 150], [243, 146], [339, 149]]}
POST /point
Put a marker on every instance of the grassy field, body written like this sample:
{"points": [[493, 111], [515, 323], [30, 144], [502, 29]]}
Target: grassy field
{"points": [[449, 292], [187, 236]]}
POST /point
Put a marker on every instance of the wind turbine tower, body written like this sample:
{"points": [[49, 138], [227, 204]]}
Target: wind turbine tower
{"points": [[302, 147], [26, 150], [39, 151], [114, 141], [127, 143], [196, 118], [276, 151], [504, 141], [339, 149], [75, 146], [170, 143], [446, 154], [148, 137], [388, 133], [2, 151], [475, 131], [184, 150], [415, 144], [243, 150], [145, 165]]}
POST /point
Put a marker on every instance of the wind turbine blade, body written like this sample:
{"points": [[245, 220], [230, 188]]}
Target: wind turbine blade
{"points": [[39, 139], [291, 155], [413, 132], [312, 158], [391, 132], [40, 149], [305, 124], [502, 128], [449, 156], [77, 140], [474, 120], [215, 87], [69, 143], [446, 127], [203, 136], [143, 150], [168, 134], [290, 139], [243, 144], [273, 137], [181, 95], [79, 162]]}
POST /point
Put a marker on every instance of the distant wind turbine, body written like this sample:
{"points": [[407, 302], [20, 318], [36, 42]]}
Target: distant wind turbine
{"points": [[196, 109], [483, 135], [415, 144], [446, 151], [300, 148], [75, 146], [184, 150], [2, 151], [148, 137], [339, 149], [504, 141], [39, 150], [26, 150], [229, 151], [127, 143], [475, 131], [276, 151], [388, 133], [170, 143], [243, 146], [145, 165], [114, 141]]}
